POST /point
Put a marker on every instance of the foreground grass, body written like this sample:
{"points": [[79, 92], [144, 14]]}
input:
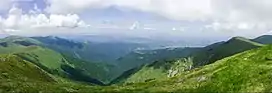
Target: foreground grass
{"points": [[249, 71]]}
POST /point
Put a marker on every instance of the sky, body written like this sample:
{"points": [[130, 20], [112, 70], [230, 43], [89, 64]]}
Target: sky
{"points": [[137, 18]]}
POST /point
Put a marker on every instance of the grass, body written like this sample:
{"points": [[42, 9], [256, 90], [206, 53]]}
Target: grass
{"points": [[159, 70], [249, 71], [219, 51]]}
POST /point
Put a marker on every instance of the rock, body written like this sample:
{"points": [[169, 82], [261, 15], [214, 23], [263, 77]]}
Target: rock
{"points": [[202, 78], [172, 73]]}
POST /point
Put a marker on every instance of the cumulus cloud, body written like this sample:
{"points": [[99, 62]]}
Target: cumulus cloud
{"points": [[16, 20], [218, 15], [173, 9]]}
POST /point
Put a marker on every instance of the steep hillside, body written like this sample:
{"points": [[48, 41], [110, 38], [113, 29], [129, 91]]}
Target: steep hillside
{"points": [[244, 72], [265, 39], [88, 57], [20, 76], [141, 57], [248, 71], [157, 66], [15, 70], [158, 70], [52, 61], [106, 52], [221, 50]]}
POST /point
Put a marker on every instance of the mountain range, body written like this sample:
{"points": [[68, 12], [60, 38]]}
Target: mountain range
{"points": [[50, 64]]}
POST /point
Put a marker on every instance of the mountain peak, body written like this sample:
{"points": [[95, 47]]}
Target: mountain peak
{"points": [[239, 38], [243, 39]]}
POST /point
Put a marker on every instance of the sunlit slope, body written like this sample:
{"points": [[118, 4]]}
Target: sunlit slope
{"points": [[158, 70], [249, 71], [16, 71], [155, 68], [142, 57], [52, 61], [221, 50], [94, 59]]}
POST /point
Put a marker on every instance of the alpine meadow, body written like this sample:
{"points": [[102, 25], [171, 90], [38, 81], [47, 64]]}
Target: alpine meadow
{"points": [[135, 46]]}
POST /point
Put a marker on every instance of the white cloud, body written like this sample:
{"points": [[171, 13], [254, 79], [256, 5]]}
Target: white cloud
{"points": [[135, 25], [240, 10], [69, 20], [230, 10], [16, 20], [219, 15], [5, 4], [174, 9], [72, 6], [13, 18]]}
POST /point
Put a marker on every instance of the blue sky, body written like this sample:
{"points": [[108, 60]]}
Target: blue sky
{"points": [[176, 19]]}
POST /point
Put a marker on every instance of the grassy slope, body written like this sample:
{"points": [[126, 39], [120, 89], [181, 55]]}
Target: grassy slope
{"points": [[106, 52], [265, 39], [244, 72], [98, 70], [43, 57], [49, 60], [16, 71], [221, 50], [160, 70], [81, 55], [19, 75], [139, 58]]}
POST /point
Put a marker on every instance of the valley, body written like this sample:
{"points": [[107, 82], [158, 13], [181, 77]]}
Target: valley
{"points": [[47, 64]]}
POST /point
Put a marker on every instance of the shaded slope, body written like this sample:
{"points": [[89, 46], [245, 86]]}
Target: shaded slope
{"points": [[15, 68], [95, 58], [141, 57], [162, 69], [49, 60], [221, 50], [20, 76], [265, 39], [158, 70], [89, 51], [244, 72], [16, 71]]}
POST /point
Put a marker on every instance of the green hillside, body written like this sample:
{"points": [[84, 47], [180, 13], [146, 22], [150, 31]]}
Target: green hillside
{"points": [[163, 69], [265, 39], [106, 52], [15, 72], [217, 51], [158, 70], [244, 72], [98, 60], [249, 71], [52, 61], [20, 76], [141, 57]]}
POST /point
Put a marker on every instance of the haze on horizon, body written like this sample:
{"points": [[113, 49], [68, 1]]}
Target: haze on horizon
{"points": [[155, 19]]}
